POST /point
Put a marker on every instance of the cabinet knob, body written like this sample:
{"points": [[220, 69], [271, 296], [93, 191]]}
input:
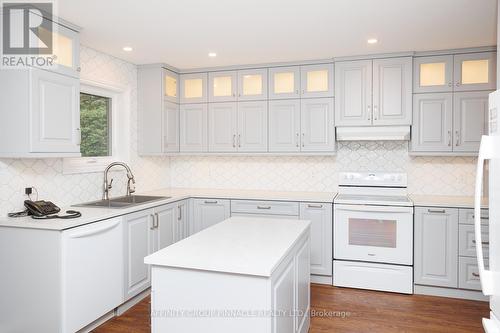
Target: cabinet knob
{"points": [[78, 69], [450, 84]]}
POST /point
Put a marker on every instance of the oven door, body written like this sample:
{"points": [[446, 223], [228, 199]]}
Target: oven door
{"points": [[374, 233]]}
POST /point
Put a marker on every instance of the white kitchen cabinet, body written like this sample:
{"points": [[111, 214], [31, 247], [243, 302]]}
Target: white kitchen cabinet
{"points": [[252, 85], [222, 127], [475, 71], [433, 74], [170, 127], [171, 86], [468, 273], [317, 125], [194, 127], [223, 86], [353, 93], [207, 212], [194, 88], [284, 299], [392, 91], [165, 225], [284, 125], [320, 215], [467, 241], [284, 82], [139, 242], [436, 247], [470, 120], [316, 80], [252, 126], [432, 123]]}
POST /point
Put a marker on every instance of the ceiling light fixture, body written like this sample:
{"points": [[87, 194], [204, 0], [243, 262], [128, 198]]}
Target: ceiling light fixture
{"points": [[372, 41], [212, 54], [127, 49]]}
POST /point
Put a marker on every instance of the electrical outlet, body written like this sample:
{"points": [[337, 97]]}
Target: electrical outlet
{"points": [[28, 190]]}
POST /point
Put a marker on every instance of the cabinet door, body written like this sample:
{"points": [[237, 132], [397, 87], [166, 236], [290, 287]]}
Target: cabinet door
{"points": [[433, 74], [207, 212], [475, 71], [222, 86], [194, 127], [284, 82], [194, 88], [181, 221], [283, 300], [317, 125], [252, 126], [55, 113], [392, 91], [252, 85], [170, 127], [316, 81], [436, 247], [222, 127], [470, 118], [170, 86], [303, 287], [353, 91], [139, 243], [320, 215], [432, 122], [284, 125], [165, 232]]}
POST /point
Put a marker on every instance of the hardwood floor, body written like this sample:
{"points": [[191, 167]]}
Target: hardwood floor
{"points": [[356, 311]]}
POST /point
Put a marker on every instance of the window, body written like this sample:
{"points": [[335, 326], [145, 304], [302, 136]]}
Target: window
{"points": [[95, 124]]}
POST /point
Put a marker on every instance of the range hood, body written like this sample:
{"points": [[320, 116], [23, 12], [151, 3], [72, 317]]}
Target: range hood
{"points": [[375, 133]]}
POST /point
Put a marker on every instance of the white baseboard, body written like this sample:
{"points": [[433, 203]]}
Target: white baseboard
{"points": [[133, 301], [320, 279], [450, 292]]}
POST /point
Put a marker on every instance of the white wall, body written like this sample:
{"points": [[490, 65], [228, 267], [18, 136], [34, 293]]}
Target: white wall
{"points": [[46, 174]]}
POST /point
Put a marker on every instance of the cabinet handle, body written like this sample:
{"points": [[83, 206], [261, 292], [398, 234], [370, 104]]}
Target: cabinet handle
{"points": [[157, 220], [369, 112], [297, 91], [78, 136], [437, 211], [450, 84], [483, 243], [78, 69], [210, 201], [303, 139], [239, 140], [457, 134], [234, 94], [375, 112], [315, 206], [297, 139], [153, 226], [449, 138], [263, 207], [179, 216], [458, 84], [234, 140], [475, 275]]}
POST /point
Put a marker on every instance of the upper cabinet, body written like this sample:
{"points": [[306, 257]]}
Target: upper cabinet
{"points": [[374, 92], [316, 81], [171, 86], [461, 72], [252, 85], [284, 82], [222, 86], [194, 88]]}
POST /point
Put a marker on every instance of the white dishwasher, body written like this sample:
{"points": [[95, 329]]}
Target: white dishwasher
{"points": [[92, 272]]}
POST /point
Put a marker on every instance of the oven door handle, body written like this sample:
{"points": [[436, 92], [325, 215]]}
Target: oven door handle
{"points": [[376, 209]]}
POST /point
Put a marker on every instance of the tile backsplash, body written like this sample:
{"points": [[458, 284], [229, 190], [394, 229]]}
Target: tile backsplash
{"points": [[427, 175]]}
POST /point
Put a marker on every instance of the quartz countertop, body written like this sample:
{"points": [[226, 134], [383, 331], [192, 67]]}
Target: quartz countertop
{"points": [[94, 214], [445, 201], [238, 245]]}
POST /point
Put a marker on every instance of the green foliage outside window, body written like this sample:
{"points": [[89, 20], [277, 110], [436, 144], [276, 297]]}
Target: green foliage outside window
{"points": [[95, 125]]}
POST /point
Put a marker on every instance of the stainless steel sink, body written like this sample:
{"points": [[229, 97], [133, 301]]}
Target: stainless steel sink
{"points": [[122, 202]]}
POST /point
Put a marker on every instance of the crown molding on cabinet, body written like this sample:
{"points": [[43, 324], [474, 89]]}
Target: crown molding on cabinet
{"points": [[375, 56], [492, 48]]}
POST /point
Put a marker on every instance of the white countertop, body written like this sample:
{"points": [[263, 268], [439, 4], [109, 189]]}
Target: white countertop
{"points": [[93, 214], [445, 201], [238, 245]]}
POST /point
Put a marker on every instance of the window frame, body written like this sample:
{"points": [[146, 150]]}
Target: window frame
{"points": [[119, 129], [110, 116]]}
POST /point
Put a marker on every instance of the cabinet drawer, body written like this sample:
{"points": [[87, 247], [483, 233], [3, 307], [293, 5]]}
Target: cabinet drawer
{"points": [[466, 216], [265, 207], [468, 273], [467, 240]]}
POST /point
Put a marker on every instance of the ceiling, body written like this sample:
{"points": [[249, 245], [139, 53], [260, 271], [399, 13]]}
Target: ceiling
{"points": [[181, 33]]}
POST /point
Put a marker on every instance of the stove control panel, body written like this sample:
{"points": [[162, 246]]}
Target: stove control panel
{"points": [[375, 179]]}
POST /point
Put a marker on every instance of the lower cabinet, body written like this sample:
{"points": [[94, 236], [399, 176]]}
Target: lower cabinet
{"points": [[436, 247], [207, 212], [320, 215]]}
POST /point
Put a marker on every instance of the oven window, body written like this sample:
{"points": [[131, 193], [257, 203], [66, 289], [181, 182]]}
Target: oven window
{"points": [[370, 232]]}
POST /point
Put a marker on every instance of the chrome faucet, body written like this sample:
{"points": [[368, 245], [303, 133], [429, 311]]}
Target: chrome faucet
{"points": [[109, 186]]}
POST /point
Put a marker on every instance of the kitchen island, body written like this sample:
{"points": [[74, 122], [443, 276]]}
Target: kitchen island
{"points": [[242, 275]]}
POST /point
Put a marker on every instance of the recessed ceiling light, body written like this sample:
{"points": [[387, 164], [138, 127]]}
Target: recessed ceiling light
{"points": [[372, 41], [127, 49], [212, 54]]}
